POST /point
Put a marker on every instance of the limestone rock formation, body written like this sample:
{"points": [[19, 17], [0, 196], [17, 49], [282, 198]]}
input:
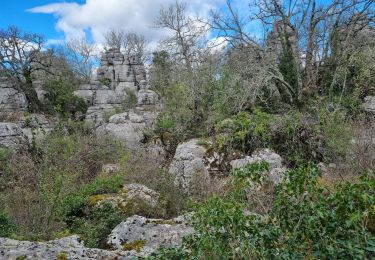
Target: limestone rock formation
{"points": [[117, 76], [130, 197], [127, 127], [188, 165], [66, 248], [11, 136], [274, 160], [147, 235], [36, 127], [369, 104], [11, 100]]}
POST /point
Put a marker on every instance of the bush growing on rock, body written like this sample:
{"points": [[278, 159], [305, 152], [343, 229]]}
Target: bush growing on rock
{"points": [[303, 220]]}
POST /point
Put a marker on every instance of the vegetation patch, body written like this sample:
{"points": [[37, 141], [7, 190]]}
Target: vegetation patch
{"points": [[136, 245]]}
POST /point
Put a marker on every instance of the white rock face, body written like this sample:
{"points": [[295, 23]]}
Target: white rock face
{"points": [[188, 165], [69, 247], [11, 100], [147, 98], [153, 233], [273, 159], [117, 75], [369, 104], [127, 127], [11, 136]]}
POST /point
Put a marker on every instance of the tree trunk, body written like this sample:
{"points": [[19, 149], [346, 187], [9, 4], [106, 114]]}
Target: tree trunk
{"points": [[34, 104], [310, 86]]}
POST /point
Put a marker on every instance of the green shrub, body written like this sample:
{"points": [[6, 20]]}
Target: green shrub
{"points": [[105, 81], [59, 98], [45, 192], [7, 227], [96, 226], [73, 206], [304, 222], [131, 99]]}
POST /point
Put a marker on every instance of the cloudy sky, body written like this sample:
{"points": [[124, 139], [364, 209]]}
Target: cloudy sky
{"points": [[58, 20]]}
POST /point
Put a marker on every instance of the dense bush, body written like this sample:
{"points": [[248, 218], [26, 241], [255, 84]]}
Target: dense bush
{"points": [[41, 189], [6, 225], [59, 98], [305, 220], [319, 135]]}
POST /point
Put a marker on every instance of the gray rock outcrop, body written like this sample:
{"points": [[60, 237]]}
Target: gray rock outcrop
{"points": [[117, 76], [127, 127], [11, 100], [129, 197], [188, 165], [276, 169], [369, 104], [147, 235], [66, 248], [11, 136]]}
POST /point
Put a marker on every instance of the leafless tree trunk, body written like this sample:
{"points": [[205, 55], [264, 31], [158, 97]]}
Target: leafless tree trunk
{"points": [[81, 57]]}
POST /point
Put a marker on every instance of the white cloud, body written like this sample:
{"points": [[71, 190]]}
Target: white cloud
{"points": [[96, 17]]}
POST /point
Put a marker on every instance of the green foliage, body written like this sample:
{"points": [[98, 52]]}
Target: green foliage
{"points": [[73, 205], [304, 221], [336, 133], [131, 99], [54, 184], [105, 81], [59, 98], [7, 227], [96, 226], [245, 131]]}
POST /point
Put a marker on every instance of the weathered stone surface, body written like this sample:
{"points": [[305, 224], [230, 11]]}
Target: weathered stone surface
{"points": [[86, 94], [11, 136], [150, 233], [11, 100], [127, 127], [111, 168], [369, 104], [274, 160], [188, 165], [130, 197], [66, 248], [126, 117], [97, 114], [147, 98], [36, 127], [116, 76]]}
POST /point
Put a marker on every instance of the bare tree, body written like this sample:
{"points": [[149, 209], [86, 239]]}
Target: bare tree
{"points": [[81, 57], [22, 54], [114, 38], [135, 45], [186, 33]]}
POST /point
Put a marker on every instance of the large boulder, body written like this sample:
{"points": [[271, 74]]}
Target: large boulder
{"points": [[147, 98], [131, 197], [11, 136], [276, 169], [142, 236], [188, 165], [66, 248], [11, 100], [369, 104], [127, 127]]}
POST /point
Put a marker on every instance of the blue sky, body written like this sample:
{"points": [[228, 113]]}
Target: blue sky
{"points": [[58, 20], [14, 12]]}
